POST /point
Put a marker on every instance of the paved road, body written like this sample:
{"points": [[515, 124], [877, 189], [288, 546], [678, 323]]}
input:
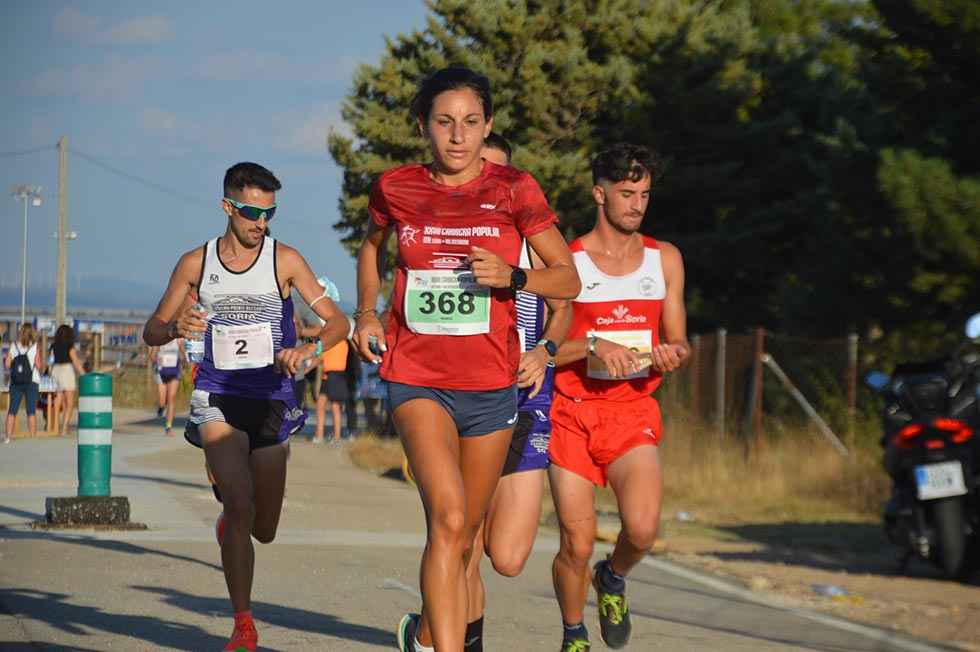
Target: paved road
{"points": [[343, 570]]}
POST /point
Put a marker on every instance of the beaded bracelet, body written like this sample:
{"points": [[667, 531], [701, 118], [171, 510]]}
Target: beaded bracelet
{"points": [[363, 311]]}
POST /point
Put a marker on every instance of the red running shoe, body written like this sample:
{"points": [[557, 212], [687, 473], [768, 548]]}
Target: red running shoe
{"points": [[244, 638]]}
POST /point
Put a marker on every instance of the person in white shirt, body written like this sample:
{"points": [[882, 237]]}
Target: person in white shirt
{"points": [[24, 365]]}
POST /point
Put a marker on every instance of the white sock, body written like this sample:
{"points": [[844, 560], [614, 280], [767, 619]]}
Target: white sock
{"points": [[421, 648]]}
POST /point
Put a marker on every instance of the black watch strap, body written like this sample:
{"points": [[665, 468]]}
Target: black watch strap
{"points": [[518, 278]]}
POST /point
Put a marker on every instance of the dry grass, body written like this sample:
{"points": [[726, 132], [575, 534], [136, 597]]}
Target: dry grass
{"points": [[133, 387], [796, 476], [376, 454]]}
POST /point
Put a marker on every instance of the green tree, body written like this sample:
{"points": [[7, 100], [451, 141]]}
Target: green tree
{"points": [[545, 91], [750, 114], [561, 71], [928, 172], [823, 154]]}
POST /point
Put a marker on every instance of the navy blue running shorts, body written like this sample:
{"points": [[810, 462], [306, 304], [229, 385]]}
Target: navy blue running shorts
{"points": [[475, 412]]}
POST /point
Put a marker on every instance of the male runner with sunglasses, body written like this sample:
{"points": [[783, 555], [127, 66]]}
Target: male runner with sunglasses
{"points": [[243, 408]]}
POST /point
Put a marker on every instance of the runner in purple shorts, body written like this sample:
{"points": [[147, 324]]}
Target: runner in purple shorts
{"points": [[511, 523], [243, 408]]}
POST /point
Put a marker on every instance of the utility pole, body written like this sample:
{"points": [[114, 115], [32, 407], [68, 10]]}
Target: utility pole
{"points": [[60, 307]]}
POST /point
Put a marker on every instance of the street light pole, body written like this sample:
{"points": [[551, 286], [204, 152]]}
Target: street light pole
{"points": [[61, 293], [23, 270], [62, 237], [32, 194]]}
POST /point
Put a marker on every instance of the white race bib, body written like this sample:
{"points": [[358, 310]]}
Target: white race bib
{"points": [[167, 359], [242, 347], [446, 302], [640, 341]]}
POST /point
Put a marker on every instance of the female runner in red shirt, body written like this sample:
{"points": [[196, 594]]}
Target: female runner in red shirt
{"points": [[450, 349]]}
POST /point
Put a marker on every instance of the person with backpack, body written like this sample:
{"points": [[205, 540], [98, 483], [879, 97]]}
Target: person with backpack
{"points": [[24, 365]]}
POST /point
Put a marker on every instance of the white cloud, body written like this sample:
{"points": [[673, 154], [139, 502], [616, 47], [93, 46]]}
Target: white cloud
{"points": [[141, 30], [242, 66], [111, 77], [309, 133], [246, 65], [72, 22], [154, 119]]}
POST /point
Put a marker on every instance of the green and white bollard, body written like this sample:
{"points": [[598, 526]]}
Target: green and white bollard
{"points": [[94, 434]]}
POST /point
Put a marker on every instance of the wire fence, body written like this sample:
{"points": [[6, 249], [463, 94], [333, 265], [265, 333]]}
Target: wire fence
{"points": [[736, 385], [742, 385]]}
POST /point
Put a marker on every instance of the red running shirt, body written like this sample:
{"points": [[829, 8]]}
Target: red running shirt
{"points": [[436, 226], [625, 309]]}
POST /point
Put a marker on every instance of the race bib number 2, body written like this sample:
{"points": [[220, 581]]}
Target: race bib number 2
{"points": [[242, 347], [446, 302]]}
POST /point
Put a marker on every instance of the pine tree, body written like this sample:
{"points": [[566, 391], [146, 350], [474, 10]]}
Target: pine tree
{"points": [[811, 144]]}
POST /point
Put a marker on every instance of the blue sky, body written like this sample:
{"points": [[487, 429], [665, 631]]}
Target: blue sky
{"points": [[176, 92]]}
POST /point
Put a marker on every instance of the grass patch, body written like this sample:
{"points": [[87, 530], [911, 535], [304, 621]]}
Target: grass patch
{"points": [[134, 387], [376, 454], [795, 478]]}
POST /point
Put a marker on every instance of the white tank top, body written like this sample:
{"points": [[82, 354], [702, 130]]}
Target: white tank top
{"points": [[248, 323]]}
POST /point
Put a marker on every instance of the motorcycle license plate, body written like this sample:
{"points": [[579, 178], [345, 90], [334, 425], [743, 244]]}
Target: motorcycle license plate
{"points": [[939, 480]]}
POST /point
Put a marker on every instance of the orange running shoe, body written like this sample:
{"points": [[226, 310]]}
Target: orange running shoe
{"points": [[244, 638]]}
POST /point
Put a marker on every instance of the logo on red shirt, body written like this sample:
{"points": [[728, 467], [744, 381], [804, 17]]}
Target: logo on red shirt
{"points": [[447, 261], [407, 235], [621, 315]]}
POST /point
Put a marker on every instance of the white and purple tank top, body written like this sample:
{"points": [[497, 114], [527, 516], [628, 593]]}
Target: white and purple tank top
{"points": [[168, 358], [244, 309], [530, 326]]}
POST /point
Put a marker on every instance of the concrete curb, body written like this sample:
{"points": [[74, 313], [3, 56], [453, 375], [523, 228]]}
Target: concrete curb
{"points": [[774, 602]]}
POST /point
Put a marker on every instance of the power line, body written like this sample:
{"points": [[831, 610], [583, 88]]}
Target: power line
{"points": [[24, 152], [137, 179]]}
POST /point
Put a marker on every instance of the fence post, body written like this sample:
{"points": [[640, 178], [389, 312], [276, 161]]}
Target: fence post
{"points": [[720, 383], [98, 351], [696, 376], [94, 434], [805, 404], [852, 374], [759, 349]]}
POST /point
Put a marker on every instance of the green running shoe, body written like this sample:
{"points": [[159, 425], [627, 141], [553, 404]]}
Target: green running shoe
{"points": [[406, 632], [614, 612], [576, 645]]}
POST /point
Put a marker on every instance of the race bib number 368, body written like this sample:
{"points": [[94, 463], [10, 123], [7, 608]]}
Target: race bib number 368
{"points": [[446, 302]]}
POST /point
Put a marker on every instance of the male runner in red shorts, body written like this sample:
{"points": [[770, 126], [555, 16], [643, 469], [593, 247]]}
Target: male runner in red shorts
{"points": [[628, 329]]}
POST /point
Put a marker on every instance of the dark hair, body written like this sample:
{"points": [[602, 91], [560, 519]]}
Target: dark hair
{"points": [[624, 161], [65, 335], [451, 79], [241, 175], [496, 141]]}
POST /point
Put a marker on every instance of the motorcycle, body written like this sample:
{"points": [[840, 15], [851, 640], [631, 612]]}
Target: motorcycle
{"points": [[931, 425]]}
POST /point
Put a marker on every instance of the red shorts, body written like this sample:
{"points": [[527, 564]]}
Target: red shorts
{"points": [[589, 435]]}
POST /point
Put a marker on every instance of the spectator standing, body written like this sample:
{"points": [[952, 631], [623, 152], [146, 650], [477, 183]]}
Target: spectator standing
{"points": [[333, 389], [23, 364], [66, 364]]}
